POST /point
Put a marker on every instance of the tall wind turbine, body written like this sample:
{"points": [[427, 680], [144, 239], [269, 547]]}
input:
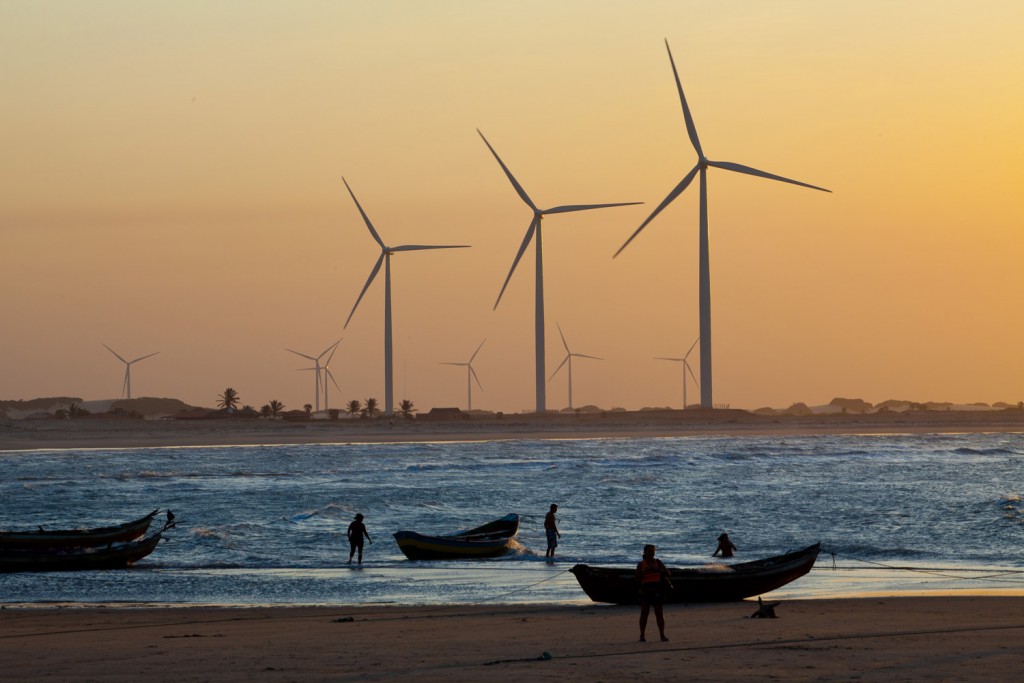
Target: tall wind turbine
{"points": [[686, 368], [704, 294], [127, 386], [534, 229], [317, 367], [385, 258], [569, 355], [470, 376]]}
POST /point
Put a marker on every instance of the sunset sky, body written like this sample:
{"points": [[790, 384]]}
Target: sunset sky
{"points": [[171, 180]]}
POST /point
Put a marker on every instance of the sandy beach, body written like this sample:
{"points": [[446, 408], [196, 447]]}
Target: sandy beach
{"points": [[129, 433], [970, 638]]}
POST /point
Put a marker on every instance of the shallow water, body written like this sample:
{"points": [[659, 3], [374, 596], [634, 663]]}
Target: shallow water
{"points": [[266, 525]]}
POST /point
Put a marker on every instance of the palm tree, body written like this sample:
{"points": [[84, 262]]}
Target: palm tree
{"points": [[265, 410], [371, 407], [308, 408], [276, 407], [354, 407], [405, 407], [228, 400]]}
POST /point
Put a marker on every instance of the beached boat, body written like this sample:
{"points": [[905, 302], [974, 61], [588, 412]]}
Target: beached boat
{"points": [[112, 556], [712, 583], [490, 540], [76, 538]]}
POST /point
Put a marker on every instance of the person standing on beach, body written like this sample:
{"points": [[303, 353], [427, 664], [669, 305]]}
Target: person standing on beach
{"points": [[725, 546], [551, 531], [356, 531], [653, 577]]}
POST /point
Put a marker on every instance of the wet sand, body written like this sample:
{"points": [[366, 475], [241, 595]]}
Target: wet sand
{"points": [[967, 638]]}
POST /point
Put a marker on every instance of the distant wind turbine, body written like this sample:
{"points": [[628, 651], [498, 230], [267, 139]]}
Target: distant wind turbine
{"points": [[470, 376], [704, 294], [317, 368], [127, 386], [569, 355], [535, 225], [385, 258], [686, 368], [328, 375]]}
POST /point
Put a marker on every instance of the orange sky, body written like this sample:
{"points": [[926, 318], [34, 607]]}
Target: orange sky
{"points": [[171, 181]]}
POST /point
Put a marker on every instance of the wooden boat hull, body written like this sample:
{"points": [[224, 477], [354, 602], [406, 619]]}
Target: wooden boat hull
{"points": [[493, 539], [114, 556], [76, 538], [734, 582]]}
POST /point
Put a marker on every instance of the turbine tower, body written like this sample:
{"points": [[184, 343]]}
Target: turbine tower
{"points": [[127, 386], [317, 367], [385, 259], [569, 355], [704, 294], [534, 229], [470, 376], [686, 368]]}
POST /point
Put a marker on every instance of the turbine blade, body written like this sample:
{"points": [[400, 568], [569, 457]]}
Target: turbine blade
{"points": [[691, 129], [115, 353], [585, 207], [332, 349], [473, 373], [562, 335], [676, 191], [331, 375], [366, 219], [559, 367], [519, 255], [145, 357], [740, 168], [691, 348], [583, 355], [515, 183], [369, 281], [693, 376], [300, 354], [420, 247], [329, 348], [477, 351], [674, 360]]}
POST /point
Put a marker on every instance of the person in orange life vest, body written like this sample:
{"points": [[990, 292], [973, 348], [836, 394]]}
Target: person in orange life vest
{"points": [[725, 546], [653, 577]]}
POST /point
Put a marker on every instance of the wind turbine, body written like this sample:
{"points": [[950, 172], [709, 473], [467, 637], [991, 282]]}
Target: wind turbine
{"points": [[127, 386], [317, 368], [569, 355], [385, 258], [686, 368], [704, 293], [328, 375], [535, 224], [470, 376]]}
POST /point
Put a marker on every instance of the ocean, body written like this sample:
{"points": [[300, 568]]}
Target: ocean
{"points": [[265, 525]]}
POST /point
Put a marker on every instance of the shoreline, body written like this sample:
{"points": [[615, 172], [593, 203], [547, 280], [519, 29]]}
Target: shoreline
{"points": [[103, 433], [968, 638]]}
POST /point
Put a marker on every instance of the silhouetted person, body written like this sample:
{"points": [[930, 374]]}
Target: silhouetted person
{"points": [[551, 531], [356, 531], [725, 547], [653, 577]]}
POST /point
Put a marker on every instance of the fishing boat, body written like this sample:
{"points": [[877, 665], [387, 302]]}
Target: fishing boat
{"points": [[712, 583], [76, 538], [113, 556], [493, 539]]}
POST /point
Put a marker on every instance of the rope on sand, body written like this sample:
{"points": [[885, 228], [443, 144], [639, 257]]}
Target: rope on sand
{"points": [[951, 573], [544, 657]]}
